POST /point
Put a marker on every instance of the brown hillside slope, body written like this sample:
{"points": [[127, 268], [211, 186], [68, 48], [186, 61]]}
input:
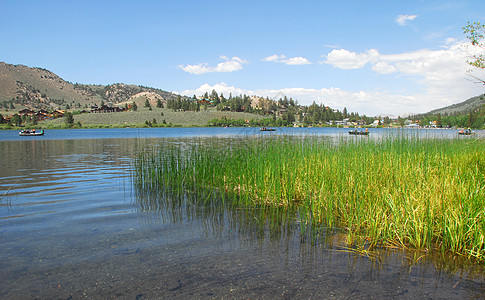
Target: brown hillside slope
{"points": [[39, 88]]}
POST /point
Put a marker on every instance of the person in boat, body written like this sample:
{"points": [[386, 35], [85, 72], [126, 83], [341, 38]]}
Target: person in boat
{"points": [[367, 130]]}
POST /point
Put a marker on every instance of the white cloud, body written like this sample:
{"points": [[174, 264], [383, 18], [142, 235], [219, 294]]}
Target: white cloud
{"points": [[195, 69], [450, 41], [228, 65], [345, 59], [383, 67], [442, 73], [433, 66], [220, 88], [298, 60], [274, 58], [402, 19]]}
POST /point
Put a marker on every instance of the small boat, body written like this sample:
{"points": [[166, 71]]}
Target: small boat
{"points": [[359, 132], [267, 129], [466, 132], [31, 133]]}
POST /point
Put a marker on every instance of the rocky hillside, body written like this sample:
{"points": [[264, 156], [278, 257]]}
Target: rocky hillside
{"points": [[36, 88], [142, 97]]}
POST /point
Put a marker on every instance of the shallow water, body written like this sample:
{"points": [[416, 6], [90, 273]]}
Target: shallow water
{"points": [[72, 226]]}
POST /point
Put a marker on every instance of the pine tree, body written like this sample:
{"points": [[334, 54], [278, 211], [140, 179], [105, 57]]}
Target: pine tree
{"points": [[16, 120], [69, 119]]}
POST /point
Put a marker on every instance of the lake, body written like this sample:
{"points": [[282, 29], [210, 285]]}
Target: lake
{"points": [[72, 226]]}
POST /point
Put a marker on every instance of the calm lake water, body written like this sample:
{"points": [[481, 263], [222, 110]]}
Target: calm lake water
{"points": [[72, 226]]}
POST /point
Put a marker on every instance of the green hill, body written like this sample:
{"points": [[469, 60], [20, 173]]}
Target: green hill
{"points": [[465, 107]]}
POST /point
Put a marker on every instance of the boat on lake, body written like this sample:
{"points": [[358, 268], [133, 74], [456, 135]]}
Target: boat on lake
{"points": [[466, 132], [267, 129], [359, 132], [31, 133]]}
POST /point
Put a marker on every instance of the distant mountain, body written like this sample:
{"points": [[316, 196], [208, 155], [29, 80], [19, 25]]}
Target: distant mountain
{"points": [[37, 88], [464, 107]]}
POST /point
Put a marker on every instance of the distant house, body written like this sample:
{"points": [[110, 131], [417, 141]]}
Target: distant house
{"points": [[344, 122], [26, 111], [58, 113], [376, 123], [204, 101], [40, 116]]}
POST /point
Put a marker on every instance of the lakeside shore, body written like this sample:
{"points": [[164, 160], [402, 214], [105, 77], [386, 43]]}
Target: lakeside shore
{"points": [[162, 117]]}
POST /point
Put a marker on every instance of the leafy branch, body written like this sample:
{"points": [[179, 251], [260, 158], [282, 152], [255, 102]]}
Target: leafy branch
{"points": [[475, 33]]}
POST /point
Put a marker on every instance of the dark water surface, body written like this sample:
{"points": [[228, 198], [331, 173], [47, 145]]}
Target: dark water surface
{"points": [[71, 227]]}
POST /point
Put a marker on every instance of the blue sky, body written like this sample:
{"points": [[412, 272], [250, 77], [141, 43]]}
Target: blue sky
{"points": [[372, 57]]}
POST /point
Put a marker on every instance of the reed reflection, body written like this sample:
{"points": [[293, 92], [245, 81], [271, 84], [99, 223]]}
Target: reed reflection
{"points": [[217, 215]]}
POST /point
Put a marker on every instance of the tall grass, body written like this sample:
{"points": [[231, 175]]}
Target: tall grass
{"points": [[424, 194]]}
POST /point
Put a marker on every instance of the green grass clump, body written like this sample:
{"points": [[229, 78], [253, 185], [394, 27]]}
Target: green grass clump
{"points": [[424, 194]]}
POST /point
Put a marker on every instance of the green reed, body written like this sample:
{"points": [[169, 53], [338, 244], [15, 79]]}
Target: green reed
{"points": [[424, 194]]}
